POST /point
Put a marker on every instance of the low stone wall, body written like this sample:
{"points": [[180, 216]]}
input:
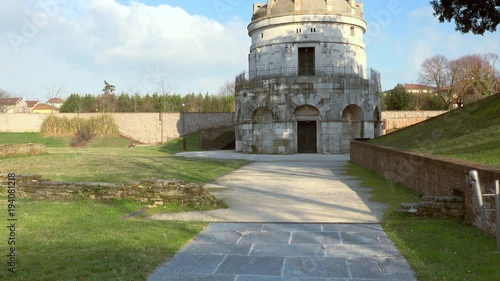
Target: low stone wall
{"points": [[394, 120], [21, 149], [452, 207], [430, 175], [145, 191]]}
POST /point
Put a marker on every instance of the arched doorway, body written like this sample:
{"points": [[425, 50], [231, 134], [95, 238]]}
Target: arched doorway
{"points": [[377, 123], [307, 117], [352, 126], [263, 134]]}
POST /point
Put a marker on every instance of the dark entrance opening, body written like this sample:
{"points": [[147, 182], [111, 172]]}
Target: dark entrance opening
{"points": [[306, 61], [307, 137]]}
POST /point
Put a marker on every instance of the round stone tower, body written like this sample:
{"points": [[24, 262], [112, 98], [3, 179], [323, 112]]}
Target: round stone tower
{"points": [[307, 89]]}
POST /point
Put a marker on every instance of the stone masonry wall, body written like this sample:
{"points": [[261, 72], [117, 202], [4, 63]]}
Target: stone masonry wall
{"points": [[430, 175], [394, 120], [148, 128], [145, 191]]}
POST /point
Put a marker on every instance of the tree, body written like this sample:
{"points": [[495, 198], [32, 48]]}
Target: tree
{"points": [[108, 88], [398, 99], [124, 103], [89, 103], [107, 101], [470, 16], [72, 104], [475, 77], [435, 72], [226, 95], [3, 94], [418, 101], [463, 80], [165, 90]]}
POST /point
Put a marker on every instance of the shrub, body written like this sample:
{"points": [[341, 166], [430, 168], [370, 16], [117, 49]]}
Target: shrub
{"points": [[82, 137], [102, 125]]}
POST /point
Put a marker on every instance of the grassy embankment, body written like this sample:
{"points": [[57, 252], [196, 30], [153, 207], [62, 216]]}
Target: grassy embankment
{"points": [[89, 240], [471, 133], [442, 249]]}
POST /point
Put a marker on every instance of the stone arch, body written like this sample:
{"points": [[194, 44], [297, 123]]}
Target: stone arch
{"points": [[352, 125], [262, 115], [306, 112], [307, 128], [309, 99], [377, 122], [262, 130]]}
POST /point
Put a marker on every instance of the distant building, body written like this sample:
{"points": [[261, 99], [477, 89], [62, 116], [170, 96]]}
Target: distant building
{"points": [[30, 104], [419, 89], [55, 102], [13, 105], [45, 108]]}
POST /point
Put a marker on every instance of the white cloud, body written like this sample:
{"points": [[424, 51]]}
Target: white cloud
{"points": [[90, 39]]}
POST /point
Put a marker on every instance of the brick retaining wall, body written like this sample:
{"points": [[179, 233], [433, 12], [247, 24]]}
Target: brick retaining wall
{"points": [[430, 175]]}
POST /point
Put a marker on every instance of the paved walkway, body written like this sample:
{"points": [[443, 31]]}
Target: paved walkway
{"points": [[298, 218], [287, 188]]}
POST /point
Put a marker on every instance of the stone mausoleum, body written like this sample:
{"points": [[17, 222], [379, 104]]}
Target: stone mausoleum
{"points": [[307, 89]]}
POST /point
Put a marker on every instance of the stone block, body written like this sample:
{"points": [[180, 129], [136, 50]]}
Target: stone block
{"points": [[316, 267], [193, 264], [315, 238], [265, 238], [285, 250], [252, 265]]}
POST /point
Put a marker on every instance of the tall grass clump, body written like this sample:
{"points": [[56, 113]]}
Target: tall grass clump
{"points": [[102, 125]]}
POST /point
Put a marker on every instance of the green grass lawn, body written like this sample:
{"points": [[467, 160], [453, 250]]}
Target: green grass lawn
{"points": [[437, 249], [87, 240], [471, 133], [175, 146], [109, 159], [23, 138], [90, 241]]}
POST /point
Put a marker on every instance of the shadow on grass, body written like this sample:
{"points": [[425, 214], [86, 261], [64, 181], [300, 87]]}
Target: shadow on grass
{"points": [[176, 145]]}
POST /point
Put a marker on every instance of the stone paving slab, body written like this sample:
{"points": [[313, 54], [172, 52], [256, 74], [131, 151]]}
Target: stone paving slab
{"points": [[273, 252]]}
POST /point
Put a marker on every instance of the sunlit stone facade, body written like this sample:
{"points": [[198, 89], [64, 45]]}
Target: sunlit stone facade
{"points": [[307, 89]]}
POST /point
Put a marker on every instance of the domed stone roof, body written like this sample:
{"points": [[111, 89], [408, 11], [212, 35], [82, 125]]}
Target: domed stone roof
{"points": [[286, 7]]}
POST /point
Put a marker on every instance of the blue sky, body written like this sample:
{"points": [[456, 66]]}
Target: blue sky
{"points": [[189, 46]]}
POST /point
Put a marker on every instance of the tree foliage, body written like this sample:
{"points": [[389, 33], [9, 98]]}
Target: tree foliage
{"points": [[469, 16], [461, 81], [397, 99], [161, 101], [149, 103]]}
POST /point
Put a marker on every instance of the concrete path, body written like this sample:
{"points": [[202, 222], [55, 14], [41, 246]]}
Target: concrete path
{"points": [[293, 217], [286, 188]]}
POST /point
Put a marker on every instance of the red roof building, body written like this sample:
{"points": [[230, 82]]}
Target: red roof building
{"points": [[418, 89], [13, 105], [55, 102], [45, 108]]}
